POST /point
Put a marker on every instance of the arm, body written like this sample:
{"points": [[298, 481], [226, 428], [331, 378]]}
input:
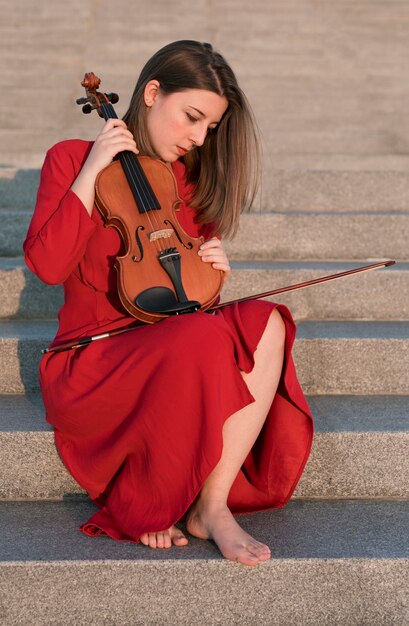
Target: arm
{"points": [[61, 225]]}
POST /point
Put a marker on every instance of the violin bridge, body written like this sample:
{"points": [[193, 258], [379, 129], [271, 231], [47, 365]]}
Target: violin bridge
{"points": [[164, 233]]}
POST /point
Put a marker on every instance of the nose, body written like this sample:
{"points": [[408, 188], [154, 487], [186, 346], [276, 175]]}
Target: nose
{"points": [[198, 135]]}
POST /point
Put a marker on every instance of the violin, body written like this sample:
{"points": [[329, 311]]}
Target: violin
{"points": [[161, 273]]}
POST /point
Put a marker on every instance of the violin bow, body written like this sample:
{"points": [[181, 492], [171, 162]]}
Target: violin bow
{"points": [[316, 281]]}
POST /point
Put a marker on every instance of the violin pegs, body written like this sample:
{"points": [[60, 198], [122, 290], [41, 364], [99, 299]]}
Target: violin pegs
{"points": [[87, 108], [112, 97]]}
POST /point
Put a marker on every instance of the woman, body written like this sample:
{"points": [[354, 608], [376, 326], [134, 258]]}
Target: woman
{"points": [[198, 416]]}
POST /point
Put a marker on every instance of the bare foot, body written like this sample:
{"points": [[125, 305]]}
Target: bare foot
{"points": [[233, 542], [164, 539]]}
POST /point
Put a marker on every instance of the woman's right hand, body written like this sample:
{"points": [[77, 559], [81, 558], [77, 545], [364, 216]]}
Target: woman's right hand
{"points": [[113, 138]]}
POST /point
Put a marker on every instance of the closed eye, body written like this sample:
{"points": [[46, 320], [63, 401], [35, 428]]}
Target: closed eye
{"points": [[191, 118]]}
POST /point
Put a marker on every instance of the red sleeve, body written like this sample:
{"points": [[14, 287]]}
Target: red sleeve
{"points": [[61, 226]]}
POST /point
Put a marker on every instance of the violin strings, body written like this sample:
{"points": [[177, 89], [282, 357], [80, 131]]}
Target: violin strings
{"points": [[136, 172], [142, 190], [130, 164], [134, 163]]}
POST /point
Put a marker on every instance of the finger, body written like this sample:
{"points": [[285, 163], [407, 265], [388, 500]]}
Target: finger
{"points": [[208, 252], [224, 268], [215, 258], [115, 133], [211, 243], [116, 143], [113, 123]]}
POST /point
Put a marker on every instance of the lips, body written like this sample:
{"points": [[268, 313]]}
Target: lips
{"points": [[181, 151]]}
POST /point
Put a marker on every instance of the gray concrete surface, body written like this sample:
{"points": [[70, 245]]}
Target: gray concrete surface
{"points": [[360, 450], [353, 358], [381, 294], [333, 563], [331, 357], [292, 190], [321, 236], [331, 73], [280, 235]]}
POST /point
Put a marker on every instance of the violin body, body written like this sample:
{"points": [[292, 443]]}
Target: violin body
{"points": [[147, 236]]}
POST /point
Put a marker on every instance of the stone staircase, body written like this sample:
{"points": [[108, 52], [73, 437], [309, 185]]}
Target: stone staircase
{"points": [[333, 115], [340, 549]]}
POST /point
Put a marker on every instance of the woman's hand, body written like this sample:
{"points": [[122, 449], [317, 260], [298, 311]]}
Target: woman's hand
{"points": [[113, 138], [212, 251]]}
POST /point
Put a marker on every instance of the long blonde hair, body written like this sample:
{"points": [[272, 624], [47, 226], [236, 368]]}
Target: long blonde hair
{"points": [[225, 170]]}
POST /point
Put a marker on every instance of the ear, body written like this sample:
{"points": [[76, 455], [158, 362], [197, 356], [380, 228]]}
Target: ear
{"points": [[151, 92]]}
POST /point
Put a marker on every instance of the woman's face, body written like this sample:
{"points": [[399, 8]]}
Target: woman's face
{"points": [[180, 121]]}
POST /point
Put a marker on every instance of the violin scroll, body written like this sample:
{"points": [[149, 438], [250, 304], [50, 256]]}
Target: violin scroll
{"points": [[94, 98]]}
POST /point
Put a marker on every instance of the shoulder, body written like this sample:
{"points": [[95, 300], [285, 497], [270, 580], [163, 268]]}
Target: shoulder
{"points": [[75, 150], [66, 158]]}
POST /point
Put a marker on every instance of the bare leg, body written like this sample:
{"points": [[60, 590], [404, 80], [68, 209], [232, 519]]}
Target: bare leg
{"points": [[209, 517]]}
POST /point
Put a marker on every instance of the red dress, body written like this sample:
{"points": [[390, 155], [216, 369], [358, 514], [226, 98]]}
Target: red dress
{"points": [[138, 418]]}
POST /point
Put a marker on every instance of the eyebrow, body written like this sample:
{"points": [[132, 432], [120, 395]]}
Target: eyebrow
{"points": [[198, 110]]}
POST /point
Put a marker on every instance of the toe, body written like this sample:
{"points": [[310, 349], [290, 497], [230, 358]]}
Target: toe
{"points": [[178, 537], [144, 539], [260, 550], [245, 557], [152, 540]]}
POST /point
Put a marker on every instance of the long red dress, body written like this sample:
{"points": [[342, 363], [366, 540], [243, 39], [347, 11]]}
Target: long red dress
{"points": [[138, 418]]}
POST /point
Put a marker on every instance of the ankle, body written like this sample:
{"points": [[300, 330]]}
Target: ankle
{"points": [[210, 503]]}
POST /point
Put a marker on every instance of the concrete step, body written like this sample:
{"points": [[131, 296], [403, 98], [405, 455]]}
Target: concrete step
{"points": [[359, 450], [353, 357], [268, 236], [339, 562], [325, 235], [23, 295], [367, 296], [13, 232], [335, 191], [321, 91], [291, 190], [18, 188], [332, 357]]}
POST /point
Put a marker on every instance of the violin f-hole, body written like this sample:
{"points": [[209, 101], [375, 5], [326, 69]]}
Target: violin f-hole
{"points": [[139, 244], [189, 246]]}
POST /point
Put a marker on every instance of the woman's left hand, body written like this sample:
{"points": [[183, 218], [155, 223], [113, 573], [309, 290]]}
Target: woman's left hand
{"points": [[212, 251]]}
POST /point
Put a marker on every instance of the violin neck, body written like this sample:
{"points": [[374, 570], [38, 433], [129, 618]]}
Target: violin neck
{"points": [[141, 189]]}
